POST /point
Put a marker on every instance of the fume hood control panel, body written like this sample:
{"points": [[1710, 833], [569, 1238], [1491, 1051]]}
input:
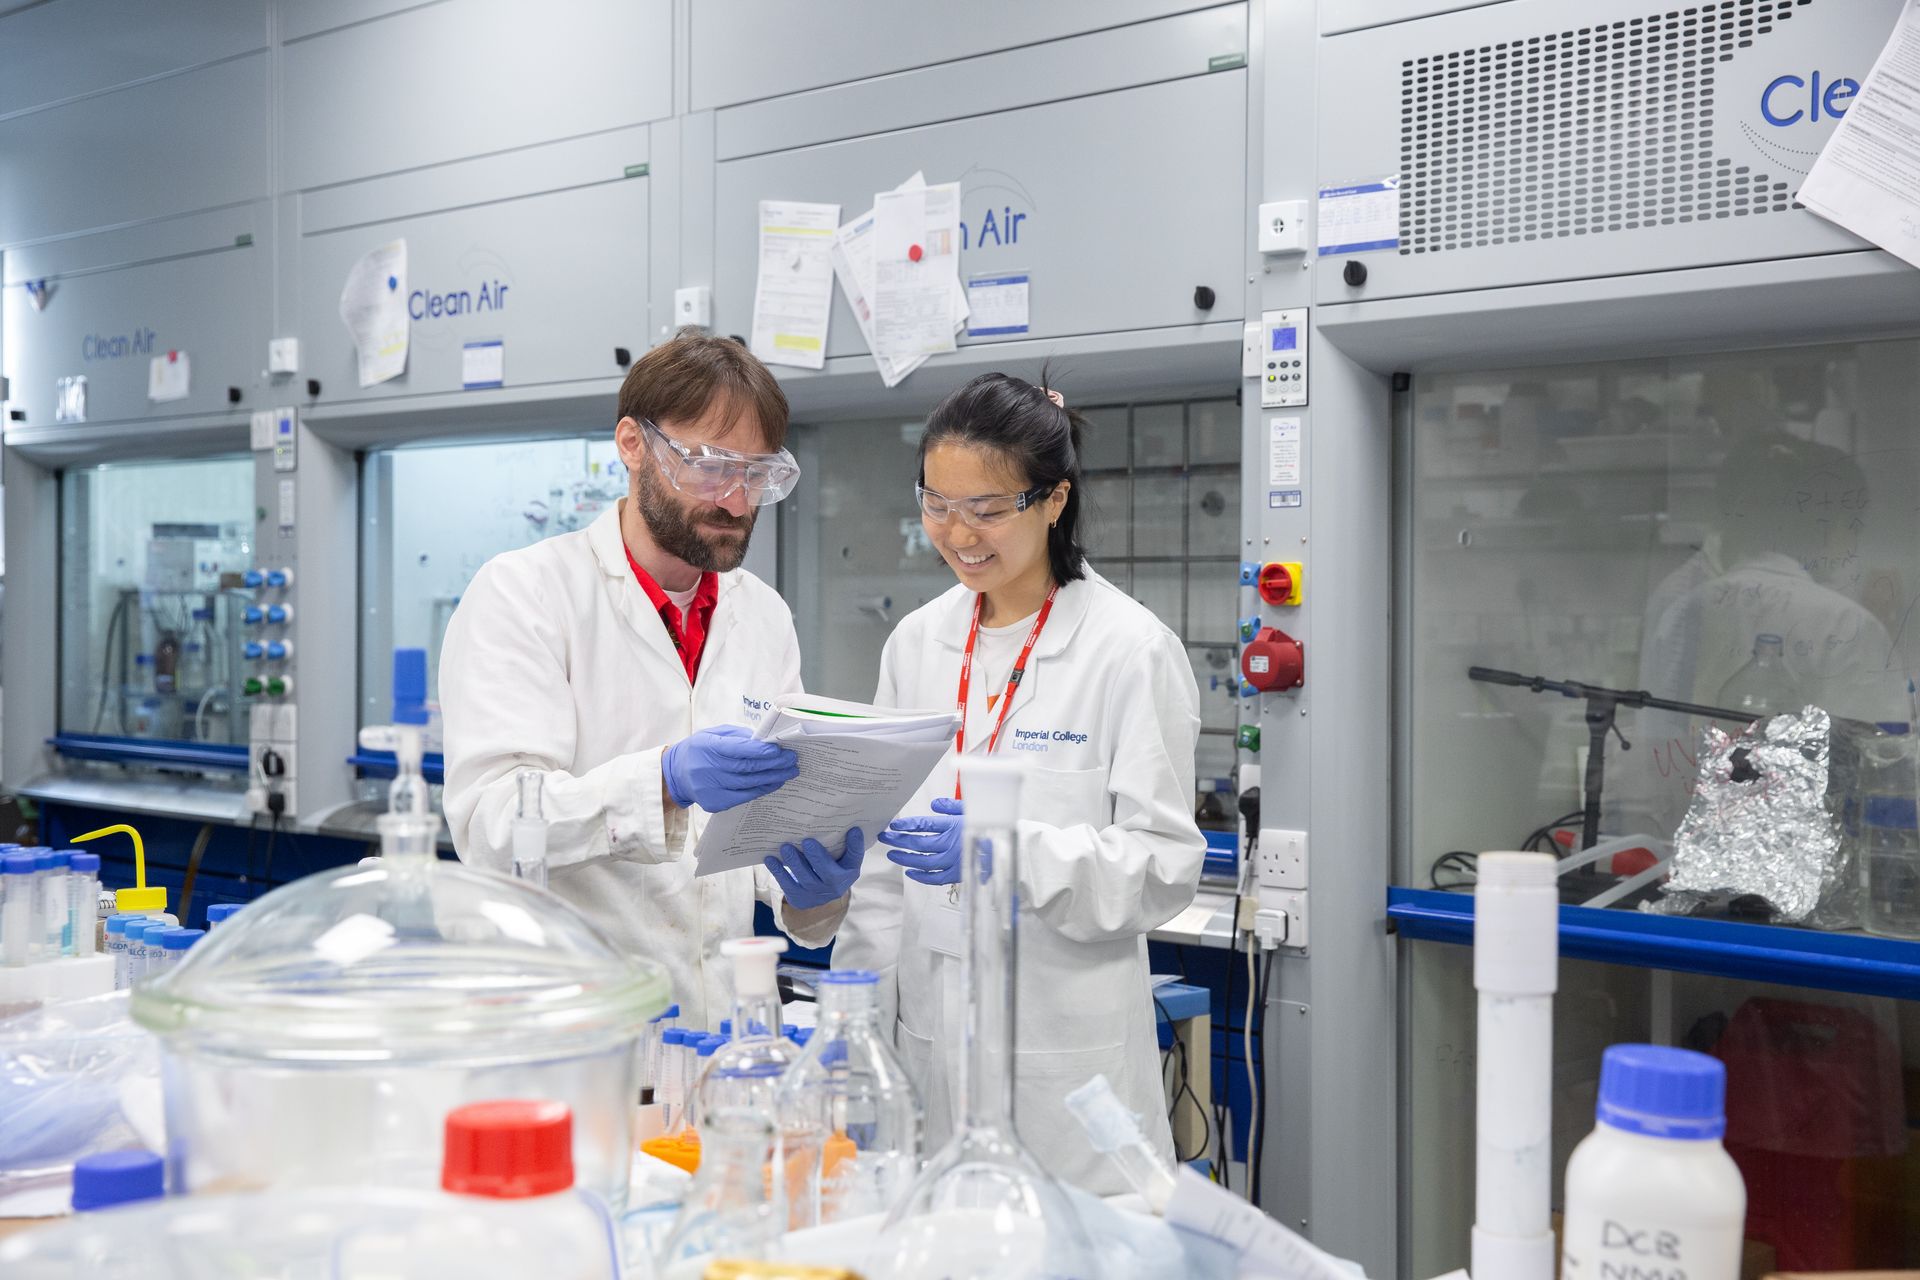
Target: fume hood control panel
{"points": [[1283, 358]]}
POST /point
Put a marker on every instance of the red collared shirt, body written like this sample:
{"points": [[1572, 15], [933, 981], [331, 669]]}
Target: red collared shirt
{"points": [[689, 636]]}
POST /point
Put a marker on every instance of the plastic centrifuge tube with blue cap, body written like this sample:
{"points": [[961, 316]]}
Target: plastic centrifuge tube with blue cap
{"points": [[83, 902], [650, 1035], [54, 912], [175, 944], [19, 895]]}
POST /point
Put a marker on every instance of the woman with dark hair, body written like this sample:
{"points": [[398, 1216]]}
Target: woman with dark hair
{"points": [[1053, 666]]}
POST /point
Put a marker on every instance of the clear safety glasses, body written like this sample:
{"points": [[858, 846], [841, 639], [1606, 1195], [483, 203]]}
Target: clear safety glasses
{"points": [[710, 474], [983, 512]]}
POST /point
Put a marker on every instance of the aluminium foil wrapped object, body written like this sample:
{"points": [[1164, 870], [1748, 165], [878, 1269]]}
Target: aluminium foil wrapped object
{"points": [[1761, 823]]}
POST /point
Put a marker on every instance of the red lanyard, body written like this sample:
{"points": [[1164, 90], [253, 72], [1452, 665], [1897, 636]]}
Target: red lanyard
{"points": [[1013, 679]]}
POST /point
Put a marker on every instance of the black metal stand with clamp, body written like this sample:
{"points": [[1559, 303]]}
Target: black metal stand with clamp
{"points": [[1603, 709]]}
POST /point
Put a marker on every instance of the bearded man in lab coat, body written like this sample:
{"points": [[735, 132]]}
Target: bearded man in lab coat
{"points": [[628, 662]]}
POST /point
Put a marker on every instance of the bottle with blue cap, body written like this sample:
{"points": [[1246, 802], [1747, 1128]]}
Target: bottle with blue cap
{"points": [[117, 946], [219, 912], [1651, 1191], [109, 1178]]}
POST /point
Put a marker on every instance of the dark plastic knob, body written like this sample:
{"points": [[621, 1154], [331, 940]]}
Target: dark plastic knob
{"points": [[313, 388], [233, 395], [1203, 297], [622, 357], [1354, 273]]}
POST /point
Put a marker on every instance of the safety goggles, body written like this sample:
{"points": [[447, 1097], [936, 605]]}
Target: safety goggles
{"points": [[983, 512], [711, 474]]}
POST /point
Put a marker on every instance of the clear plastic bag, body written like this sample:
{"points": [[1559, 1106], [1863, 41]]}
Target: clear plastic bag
{"points": [[70, 1074], [320, 1234]]}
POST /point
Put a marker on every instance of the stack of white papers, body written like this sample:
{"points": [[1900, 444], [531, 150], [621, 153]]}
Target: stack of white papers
{"points": [[899, 266], [859, 766]]}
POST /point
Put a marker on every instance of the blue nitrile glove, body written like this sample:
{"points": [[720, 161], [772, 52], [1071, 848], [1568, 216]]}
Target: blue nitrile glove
{"points": [[927, 845], [812, 876], [726, 765]]}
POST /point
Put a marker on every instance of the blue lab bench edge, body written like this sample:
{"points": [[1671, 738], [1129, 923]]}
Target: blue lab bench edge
{"points": [[1859, 963]]}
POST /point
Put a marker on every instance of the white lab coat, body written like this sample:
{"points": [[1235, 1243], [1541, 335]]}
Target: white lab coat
{"points": [[1107, 716], [556, 660]]}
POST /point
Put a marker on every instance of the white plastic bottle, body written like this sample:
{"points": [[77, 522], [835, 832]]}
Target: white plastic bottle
{"points": [[509, 1164], [1651, 1192]]}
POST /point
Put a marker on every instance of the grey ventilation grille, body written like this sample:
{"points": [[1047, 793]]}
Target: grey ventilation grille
{"points": [[1583, 132]]}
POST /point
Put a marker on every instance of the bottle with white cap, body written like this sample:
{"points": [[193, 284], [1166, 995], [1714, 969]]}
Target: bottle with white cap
{"points": [[1651, 1191], [743, 1078]]}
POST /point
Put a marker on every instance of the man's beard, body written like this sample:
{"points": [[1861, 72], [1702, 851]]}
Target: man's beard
{"points": [[676, 532]]}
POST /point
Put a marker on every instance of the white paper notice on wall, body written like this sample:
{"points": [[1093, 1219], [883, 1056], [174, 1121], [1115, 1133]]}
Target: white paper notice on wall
{"points": [[373, 306], [793, 297], [997, 305], [168, 377], [1867, 178], [1283, 453], [1359, 217], [916, 257], [853, 265], [483, 364], [70, 398]]}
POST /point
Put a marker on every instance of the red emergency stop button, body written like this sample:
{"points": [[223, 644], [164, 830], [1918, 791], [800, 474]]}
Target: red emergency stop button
{"points": [[1274, 660]]}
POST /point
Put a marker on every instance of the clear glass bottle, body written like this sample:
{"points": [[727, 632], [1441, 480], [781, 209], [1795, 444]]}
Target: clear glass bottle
{"points": [[984, 1209], [851, 1080], [744, 1077], [731, 1210], [530, 832], [1764, 686]]}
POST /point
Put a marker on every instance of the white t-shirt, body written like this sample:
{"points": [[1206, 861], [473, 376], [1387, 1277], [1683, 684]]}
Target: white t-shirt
{"points": [[994, 654], [683, 599]]}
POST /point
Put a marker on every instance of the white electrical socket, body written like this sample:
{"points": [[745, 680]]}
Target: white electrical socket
{"points": [[1295, 906], [1281, 920], [1280, 859]]}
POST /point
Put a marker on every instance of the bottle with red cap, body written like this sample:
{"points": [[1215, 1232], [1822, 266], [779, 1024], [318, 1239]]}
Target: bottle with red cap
{"points": [[511, 1164]]}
